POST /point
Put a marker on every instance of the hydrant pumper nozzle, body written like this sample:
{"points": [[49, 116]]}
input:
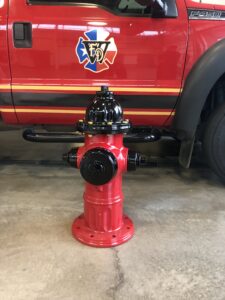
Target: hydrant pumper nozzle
{"points": [[102, 161]]}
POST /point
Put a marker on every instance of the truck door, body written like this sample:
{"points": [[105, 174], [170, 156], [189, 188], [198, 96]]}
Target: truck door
{"points": [[7, 112], [62, 51]]}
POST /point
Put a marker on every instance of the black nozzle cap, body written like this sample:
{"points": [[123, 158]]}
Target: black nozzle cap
{"points": [[71, 157], [135, 160], [98, 166]]}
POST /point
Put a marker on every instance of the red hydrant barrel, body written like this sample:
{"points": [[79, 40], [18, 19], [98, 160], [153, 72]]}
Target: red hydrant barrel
{"points": [[103, 223]]}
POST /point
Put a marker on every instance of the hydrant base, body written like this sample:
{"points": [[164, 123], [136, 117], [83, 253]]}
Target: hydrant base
{"points": [[99, 239]]}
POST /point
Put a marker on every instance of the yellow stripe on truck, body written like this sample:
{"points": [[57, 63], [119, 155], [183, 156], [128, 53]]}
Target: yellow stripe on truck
{"points": [[92, 89], [77, 112]]}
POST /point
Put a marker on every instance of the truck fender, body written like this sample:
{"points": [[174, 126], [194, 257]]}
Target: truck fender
{"points": [[201, 79]]}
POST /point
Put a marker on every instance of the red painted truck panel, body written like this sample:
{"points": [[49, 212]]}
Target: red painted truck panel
{"points": [[203, 34], [5, 77], [146, 74], [146, 69]]}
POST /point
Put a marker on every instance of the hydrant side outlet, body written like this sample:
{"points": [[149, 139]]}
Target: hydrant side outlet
{"points": [[98, 166], [102, 161]]}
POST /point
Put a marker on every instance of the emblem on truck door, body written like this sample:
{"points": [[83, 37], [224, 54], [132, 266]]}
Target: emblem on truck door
{"points": [[96, 51]]}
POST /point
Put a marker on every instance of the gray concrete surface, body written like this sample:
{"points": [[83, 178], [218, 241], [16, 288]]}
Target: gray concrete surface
{"points": [[178, 251]]}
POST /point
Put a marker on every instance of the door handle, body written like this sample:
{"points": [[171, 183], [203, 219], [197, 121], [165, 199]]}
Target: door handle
{"points": [[22, 35]]}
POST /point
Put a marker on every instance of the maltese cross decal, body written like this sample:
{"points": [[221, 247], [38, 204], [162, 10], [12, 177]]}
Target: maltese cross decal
{"points": [[97, 52]]}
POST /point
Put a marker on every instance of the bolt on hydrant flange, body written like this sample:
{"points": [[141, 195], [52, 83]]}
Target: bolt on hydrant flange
{"points": [[102, 161]]}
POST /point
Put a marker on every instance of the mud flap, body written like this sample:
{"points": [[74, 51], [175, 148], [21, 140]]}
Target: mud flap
{"points": [[186, 150]]}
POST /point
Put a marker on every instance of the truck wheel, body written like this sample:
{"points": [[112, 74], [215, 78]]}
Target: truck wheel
{"points": [[214, 141]]}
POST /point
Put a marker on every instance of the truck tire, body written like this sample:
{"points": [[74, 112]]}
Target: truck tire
{"points": [[214, 142]]}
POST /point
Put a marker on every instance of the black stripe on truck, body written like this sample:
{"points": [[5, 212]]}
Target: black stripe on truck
{"points": [[5, 99], [82, 100]]}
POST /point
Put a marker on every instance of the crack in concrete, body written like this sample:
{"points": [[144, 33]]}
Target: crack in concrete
{"points": [[119, 275]]}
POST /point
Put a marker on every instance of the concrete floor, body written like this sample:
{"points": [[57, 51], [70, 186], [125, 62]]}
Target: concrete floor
{"points": [[178, 251]]}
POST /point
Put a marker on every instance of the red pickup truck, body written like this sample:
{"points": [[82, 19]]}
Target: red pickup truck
{"points": [[164, 60]]}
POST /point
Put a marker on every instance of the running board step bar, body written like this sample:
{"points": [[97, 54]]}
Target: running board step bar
{"points": [[137, 135]]}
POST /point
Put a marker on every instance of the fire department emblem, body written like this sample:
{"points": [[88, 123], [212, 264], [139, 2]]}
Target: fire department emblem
{"points": [[96, 51]]}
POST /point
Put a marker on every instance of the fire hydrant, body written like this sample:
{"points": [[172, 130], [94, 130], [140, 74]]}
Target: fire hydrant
{"points": [[102, 161]]}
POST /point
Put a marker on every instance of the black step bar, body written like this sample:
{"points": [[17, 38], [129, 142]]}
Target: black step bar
{"points": [[137, 135]]}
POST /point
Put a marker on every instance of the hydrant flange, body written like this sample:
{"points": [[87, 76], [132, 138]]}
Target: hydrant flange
{"points": [[105, 239]]}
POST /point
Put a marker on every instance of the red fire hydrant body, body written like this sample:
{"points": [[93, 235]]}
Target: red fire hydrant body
{"points": [[103, 223], [102, 161]]}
